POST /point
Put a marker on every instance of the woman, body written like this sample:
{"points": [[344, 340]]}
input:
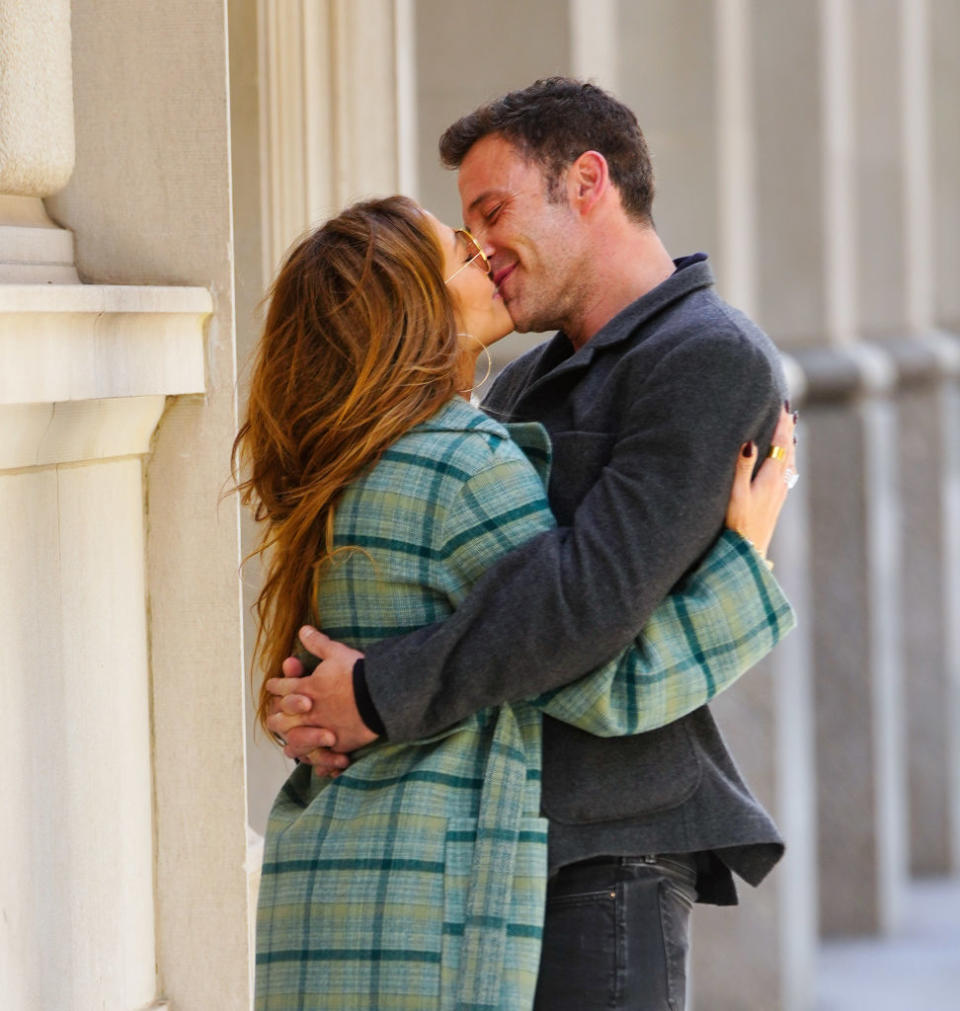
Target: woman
{"points": [[416, 879]]}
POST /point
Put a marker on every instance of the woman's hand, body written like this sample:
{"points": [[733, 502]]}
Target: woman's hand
{"points": [[755, 502]]}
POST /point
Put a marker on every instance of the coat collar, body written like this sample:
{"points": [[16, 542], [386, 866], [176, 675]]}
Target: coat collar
{"points": [[457, 415], [692, 273]]}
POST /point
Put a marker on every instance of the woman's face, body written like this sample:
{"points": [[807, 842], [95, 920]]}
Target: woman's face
{"points": [[478, 307]]}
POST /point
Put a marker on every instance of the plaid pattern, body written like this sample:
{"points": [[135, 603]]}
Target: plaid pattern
{"points": [[417, 878]]}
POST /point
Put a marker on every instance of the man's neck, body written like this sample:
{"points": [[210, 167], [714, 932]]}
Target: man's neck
{"points": [[627, 264]]}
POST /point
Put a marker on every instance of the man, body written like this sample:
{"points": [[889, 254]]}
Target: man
{"points": [[647, 390]]}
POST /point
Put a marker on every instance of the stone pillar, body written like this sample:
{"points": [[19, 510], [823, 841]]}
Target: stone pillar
{"points": [[709, 169], [761, 955], [594, 49], [149, 202], [330, 104], [895, 275], [77, 850], [851, 425], [451, 82], [678, 112], [927, 447], [944, 22], [84, 377], [944, 82]]}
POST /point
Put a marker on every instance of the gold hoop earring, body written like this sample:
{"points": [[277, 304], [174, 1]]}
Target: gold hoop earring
{"points": [[486, 351]]}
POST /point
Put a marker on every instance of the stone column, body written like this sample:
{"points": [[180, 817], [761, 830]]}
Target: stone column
{"points": [[149, 202], [896, 290], [594, 49], [944, 152], [706, 128], [86, 371], [330, 99], [852, 431]]}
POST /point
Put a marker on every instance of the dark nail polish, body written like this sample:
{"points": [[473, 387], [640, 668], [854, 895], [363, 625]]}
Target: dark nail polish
{"points": [[786, 405], [796, 416], [748, 449]]}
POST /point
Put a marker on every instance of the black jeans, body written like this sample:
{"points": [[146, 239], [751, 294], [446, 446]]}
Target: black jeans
{"points": [[616, 935]]}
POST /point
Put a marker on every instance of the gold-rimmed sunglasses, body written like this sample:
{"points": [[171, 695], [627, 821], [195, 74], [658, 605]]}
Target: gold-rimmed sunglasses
{"points": [[474, 252]]}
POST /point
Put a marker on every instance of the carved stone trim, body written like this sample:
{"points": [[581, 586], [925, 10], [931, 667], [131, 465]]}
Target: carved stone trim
{"points": [[85, 370], [94, 342]]}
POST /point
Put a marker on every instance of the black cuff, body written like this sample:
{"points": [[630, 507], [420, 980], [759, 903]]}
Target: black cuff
{"points": [[366, 708]]}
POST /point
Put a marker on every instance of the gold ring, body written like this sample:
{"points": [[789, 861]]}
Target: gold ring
{"points": [[777, 453]]}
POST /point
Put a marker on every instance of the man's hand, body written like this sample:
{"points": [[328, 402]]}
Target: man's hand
{"points": [[311, 745], [318, 712]]}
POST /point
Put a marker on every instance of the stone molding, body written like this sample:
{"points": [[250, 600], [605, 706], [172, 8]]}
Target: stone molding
{"points": [[85, 369], [44, 435], [37, 256], [847, 371], [929, 358], [844, 371]]}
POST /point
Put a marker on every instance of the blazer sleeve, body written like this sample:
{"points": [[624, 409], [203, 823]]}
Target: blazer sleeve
{"points": [[574, 597], [715, 625]]}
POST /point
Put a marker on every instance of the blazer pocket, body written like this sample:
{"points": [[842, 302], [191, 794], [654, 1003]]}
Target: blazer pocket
{"points": [[589, 779], [578, 460]]}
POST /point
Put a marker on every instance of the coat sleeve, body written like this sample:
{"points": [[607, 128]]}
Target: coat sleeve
{"points": [[720, 621], [573, 597]]}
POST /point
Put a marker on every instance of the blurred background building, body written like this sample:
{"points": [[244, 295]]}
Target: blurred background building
{"points": [[156, 159]]}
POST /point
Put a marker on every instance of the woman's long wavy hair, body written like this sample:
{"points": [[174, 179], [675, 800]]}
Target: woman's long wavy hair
{"points": [[359, 345]]}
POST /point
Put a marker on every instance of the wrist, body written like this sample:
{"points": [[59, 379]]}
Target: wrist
{"points": [[756, 547], [364, 703]]}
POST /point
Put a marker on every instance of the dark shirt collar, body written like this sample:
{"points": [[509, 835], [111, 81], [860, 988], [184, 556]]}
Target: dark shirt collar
{"points": [[682, 262]]}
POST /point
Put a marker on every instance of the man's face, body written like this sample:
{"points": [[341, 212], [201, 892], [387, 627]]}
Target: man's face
{"points": [[532, 243]]}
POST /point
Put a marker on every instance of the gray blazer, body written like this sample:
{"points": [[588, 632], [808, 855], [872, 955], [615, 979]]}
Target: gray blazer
{"points": [[646, 421]]}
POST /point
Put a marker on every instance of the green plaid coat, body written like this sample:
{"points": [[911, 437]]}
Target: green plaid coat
{"points": [[417, 878]]}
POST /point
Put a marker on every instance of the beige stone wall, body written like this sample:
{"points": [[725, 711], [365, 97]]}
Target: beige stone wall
{"points": [[178, 148], [150, 202], [36, 97], [127, 864]]}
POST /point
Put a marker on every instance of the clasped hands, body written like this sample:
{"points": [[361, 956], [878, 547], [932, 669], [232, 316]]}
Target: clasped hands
{"points": [[316, 714]]}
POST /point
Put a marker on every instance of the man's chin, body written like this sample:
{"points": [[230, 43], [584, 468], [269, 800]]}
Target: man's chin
{"points": [[522, 322], [532, 324]]}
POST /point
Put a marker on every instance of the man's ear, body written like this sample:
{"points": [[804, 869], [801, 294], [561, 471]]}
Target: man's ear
{"points": [[588, 179]]}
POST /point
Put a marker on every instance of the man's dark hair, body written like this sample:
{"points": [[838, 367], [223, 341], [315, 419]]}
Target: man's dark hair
{"points": [[552, 123]]}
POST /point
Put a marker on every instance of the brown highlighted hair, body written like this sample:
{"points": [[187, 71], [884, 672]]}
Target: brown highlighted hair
{"points": [[359, 345], [551, 123]]}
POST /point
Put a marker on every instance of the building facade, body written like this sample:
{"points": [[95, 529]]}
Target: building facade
{"points": [[156, 160]]}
